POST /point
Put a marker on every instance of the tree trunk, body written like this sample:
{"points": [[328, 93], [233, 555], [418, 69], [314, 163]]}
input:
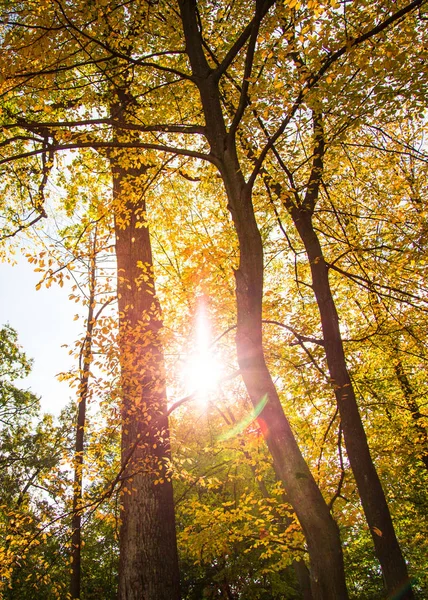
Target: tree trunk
{"points": [[321, 532], [148, 564], [409, 396], [84, 368], [370, 489]]}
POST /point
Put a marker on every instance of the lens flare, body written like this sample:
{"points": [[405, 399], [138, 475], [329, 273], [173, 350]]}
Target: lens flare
{"points": [[202, 371], [246, 421]]}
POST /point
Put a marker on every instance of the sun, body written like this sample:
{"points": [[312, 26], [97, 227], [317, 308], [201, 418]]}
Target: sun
{"points": [[202, 371]]}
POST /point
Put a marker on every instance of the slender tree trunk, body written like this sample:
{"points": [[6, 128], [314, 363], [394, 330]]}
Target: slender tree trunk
{"points": [[369, 486], [373, 499], [84, 368], [321, 532], [148, 564], [409, 396]]}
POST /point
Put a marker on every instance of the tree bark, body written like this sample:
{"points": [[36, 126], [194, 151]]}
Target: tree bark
{"points": [[148, 563], [321, 532], [304, 579]]}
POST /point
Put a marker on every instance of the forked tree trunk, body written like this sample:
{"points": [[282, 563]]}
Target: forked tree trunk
{"points": [[321, 532], [148, 564]]}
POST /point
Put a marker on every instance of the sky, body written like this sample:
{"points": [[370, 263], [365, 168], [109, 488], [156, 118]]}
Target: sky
{"points": [[44, 322]]}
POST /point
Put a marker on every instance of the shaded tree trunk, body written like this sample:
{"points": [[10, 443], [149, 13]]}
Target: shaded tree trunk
{"points": [[304, 578], [321, 532]]}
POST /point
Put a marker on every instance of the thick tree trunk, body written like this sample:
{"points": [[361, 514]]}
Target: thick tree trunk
{"points": [[148, 566], [321, 532], [369, 486]]}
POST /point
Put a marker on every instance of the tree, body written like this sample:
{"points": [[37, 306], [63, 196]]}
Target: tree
{"points": [[147, 530], [85, 365], [233, 84], [31, 447], [305, 497]]}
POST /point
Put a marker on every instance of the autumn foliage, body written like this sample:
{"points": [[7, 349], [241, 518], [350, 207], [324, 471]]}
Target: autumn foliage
{"points": [[234, 195]]}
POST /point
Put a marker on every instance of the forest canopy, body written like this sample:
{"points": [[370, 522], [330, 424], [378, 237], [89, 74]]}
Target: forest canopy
{"points": [[233, 194]]}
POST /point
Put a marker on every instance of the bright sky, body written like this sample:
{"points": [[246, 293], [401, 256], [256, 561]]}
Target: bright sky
{"points": [[44, 321], [202, 371]]}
